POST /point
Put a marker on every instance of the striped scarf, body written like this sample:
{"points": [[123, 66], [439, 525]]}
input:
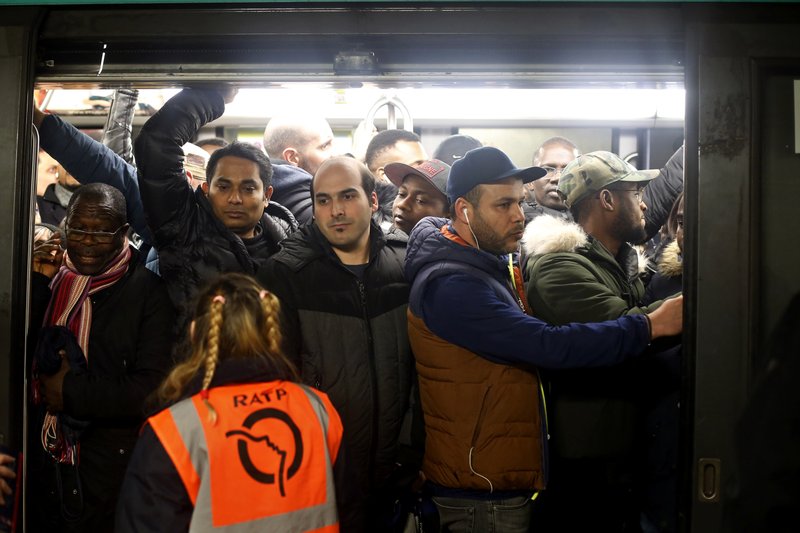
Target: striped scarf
{"points": [[71, 307]]}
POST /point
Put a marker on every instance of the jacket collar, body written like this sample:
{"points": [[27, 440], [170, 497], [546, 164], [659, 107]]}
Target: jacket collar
{"points": [[434, 241], [546, 234], [671, 263], [308, 244]]}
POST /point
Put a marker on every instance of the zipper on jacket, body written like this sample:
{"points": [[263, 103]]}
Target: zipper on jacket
{"points": [[373, 447]]}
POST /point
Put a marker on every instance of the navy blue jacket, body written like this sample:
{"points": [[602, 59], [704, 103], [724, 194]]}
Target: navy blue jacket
{"points": [[458, 291], [92, 162], [291, 187]]}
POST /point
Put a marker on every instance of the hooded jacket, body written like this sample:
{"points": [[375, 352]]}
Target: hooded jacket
{"points": [[572, 277], [668, 280], [349, 337], [194, 246], [476, 353]]}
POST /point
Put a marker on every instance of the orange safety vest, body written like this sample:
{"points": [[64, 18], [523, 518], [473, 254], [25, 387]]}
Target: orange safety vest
{"points": [[266, 465]]}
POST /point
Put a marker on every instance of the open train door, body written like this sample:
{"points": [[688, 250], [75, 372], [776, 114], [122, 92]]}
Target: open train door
{"points": [[742, 184]]}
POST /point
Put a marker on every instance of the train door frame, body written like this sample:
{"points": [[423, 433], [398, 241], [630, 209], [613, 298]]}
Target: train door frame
{"points": [[727, 52], [17, 156], [722, 54]]}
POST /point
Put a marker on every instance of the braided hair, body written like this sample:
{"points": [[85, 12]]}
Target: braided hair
{"points": [[234, 319]]}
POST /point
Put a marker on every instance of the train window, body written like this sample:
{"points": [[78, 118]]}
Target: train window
{"points": [[514, 119]]}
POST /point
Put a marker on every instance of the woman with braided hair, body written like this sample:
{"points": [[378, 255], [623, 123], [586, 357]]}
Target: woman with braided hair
{"points": [[242, 443]]}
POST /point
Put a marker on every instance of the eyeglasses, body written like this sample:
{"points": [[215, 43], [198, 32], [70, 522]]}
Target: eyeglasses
{"points": [[552, 171], [637, 193], [100, 237]]}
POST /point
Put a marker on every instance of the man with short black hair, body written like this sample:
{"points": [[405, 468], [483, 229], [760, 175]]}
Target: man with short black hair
{"points": [[343, 302], [104, 346], [391, 146], [587, 271], [541, 195], [211, 144], [228, 224], [477, 350]]}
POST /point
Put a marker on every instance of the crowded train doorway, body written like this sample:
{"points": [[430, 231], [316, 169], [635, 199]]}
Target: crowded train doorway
{"points": [[461, 48]]}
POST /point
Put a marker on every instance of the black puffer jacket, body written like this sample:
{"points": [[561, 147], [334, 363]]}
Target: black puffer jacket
{"points": [[661, 193], [130, 346], [533, 210], [351, 340], [193, 244], [291, 187]]}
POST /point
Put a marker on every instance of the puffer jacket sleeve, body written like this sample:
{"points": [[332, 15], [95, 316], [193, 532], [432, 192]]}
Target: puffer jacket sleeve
{"points": [[117, 133], [91, 162], [153, 497], [661, 193], [168, 199], [499, 332]]}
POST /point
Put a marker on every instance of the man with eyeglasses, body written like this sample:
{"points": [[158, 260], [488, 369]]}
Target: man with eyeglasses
{"points": [[541, 195], [587, 271], [103, 329]]}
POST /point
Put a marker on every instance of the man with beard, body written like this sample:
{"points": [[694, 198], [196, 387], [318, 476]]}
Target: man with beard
{"points": [[343, 304], [477, 350], [586, 271]]}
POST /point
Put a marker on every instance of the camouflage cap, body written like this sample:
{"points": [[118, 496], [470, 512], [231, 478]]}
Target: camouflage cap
{"points": [[595, 171]]}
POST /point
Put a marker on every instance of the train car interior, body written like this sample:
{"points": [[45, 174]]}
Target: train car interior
{"points": [[638, 79]]}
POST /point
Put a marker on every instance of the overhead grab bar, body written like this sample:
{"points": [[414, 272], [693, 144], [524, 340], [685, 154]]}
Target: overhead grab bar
{"points": [[393, 104]]}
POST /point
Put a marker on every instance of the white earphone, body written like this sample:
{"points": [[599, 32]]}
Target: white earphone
{"points": [[465, 214]]}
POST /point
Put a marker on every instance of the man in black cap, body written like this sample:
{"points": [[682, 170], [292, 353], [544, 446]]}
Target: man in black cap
{"points": [[455, 147], [421, 192], [477, 349]]}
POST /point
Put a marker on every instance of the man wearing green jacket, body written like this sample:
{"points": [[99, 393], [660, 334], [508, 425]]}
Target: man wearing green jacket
{"points": [[586, 271]]}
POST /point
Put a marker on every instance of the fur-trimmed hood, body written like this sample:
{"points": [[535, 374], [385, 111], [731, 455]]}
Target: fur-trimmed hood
{"points": [[671, 263], [547, 234]]}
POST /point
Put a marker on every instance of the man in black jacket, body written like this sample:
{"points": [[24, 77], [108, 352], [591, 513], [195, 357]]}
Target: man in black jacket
{"points": [[107, 339], [228, 224], [344, 298]]}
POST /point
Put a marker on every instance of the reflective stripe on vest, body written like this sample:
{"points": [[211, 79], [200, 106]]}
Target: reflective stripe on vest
{"points": [[264, 466]]}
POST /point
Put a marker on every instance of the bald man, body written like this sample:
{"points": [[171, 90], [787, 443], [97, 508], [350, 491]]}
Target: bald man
{"points": [[297, 146]]}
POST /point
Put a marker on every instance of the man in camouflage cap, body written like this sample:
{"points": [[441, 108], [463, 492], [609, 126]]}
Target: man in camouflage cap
{"points": [[594, 172], [587, 271]]}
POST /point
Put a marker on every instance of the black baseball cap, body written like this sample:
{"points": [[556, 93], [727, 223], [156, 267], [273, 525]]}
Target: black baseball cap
{"points": [[483, 166]]}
